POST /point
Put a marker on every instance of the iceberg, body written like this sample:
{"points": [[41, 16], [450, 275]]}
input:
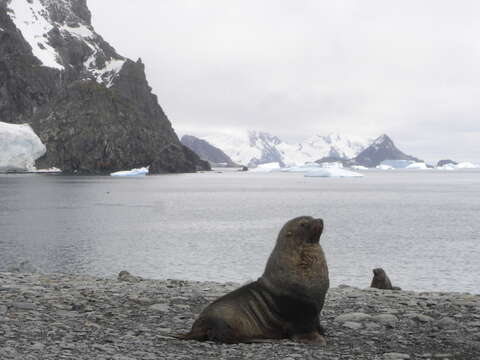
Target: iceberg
{"points": [[418, 166], [134, 172], [332, 172], [462, 165], [384, 167], [19, 147], [467, 165], [334, 164], [359, 167], [302, 168], [398, 164], [268, 167]]}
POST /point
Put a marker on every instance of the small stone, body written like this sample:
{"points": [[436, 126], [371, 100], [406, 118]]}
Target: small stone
{"points": [[127, 277], [442, 356], [354, 316], [386, 319], [422, 318], [37, 346], [447, 323], [24, 306], [352, 325], [395, 356], [159, 307], [372, 326]]}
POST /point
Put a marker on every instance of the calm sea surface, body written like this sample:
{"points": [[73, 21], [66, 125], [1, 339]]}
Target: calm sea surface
{"points": [[422, 227]]}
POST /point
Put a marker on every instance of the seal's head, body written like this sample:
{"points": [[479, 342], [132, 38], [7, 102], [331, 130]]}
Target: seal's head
{"points": [[378, 272], [303, 229]]}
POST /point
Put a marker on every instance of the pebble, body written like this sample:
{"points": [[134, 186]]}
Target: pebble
{"points": [[447, 323], [396, 356], [352, 325], [354, 316]]}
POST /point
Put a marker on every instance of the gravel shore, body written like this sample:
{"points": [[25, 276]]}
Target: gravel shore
{"points": [[58, 316]]}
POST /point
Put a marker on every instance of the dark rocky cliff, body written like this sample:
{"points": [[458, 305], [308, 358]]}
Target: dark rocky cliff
{"points": [[93, 109], [206, 151]]}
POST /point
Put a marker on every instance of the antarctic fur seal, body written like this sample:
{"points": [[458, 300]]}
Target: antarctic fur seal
{"points": [[285, 302], [381, 281]]}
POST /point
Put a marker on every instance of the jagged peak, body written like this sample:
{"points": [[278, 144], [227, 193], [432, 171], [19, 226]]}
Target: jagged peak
{"points": [[53, 28]]}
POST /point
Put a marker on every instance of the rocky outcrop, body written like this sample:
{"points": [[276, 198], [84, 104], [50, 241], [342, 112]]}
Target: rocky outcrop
{"points": [[81, 317], [206, 151], [381, 149], [446, 162], [91, 107]]}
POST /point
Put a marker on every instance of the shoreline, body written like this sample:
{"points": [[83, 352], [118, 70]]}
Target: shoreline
{"points": [[52, 316]]}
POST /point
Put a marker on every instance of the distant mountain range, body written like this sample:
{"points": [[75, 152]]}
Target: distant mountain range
{"points": [[253, 148]]}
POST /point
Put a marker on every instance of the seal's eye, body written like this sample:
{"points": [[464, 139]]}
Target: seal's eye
{"points": [[304, 224], [289, 233]]}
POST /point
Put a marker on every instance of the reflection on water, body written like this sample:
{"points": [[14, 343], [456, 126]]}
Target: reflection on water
{"points": [[422, 227]]}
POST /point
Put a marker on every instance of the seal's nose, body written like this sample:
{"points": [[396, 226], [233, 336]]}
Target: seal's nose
{"points": [[319, 222]]}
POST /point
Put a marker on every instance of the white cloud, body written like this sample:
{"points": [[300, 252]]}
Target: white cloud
{"points": [[407, 68]]}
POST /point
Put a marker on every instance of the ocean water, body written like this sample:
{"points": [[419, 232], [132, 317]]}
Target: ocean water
{"points": [[422, 227]]}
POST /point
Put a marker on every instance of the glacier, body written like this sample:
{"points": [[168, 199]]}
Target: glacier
{"points": [[19, 147]]}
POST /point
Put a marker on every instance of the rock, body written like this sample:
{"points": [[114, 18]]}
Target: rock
{"points": [[3, 309], [159, 307], [395, 356], [126, 276], [421, 317], [372, 326], [447, 323], [386, 319], [352, 325], [442, 356], [24, 306], [355, 317]]}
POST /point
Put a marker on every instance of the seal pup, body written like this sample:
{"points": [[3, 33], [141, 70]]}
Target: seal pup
{"points": [[285, 302], [381, 281]]}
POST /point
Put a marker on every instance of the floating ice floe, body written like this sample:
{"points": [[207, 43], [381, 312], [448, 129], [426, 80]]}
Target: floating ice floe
{"points": [[19, 147], [385, 167], [418, 166], [398, 164], [332, 172], [462, 165], [467, 165], [359, 167], [268, 167], [302, 168], [48, 170], [134, 172]]}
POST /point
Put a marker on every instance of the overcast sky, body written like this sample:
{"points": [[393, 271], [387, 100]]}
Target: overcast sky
{"points": [[408, 68]]}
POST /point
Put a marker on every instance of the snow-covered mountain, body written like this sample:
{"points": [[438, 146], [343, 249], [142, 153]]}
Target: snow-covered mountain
{"points": [[252, 148], [60, 35], [91, 107], [382, 148]]}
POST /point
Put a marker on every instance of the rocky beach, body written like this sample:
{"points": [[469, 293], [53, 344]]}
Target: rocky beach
{"points": [[59, 316]]}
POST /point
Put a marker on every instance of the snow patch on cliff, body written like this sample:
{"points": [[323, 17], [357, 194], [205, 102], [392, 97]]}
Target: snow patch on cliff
{"points": [[19, 147], [31, 18]]}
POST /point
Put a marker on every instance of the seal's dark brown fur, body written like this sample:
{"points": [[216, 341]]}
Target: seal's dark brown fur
{"points": [[285, 302], [381, 281]]}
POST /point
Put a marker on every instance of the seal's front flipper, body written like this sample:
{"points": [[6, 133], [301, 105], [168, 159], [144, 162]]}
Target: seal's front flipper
{"points": [[310, 338]]}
